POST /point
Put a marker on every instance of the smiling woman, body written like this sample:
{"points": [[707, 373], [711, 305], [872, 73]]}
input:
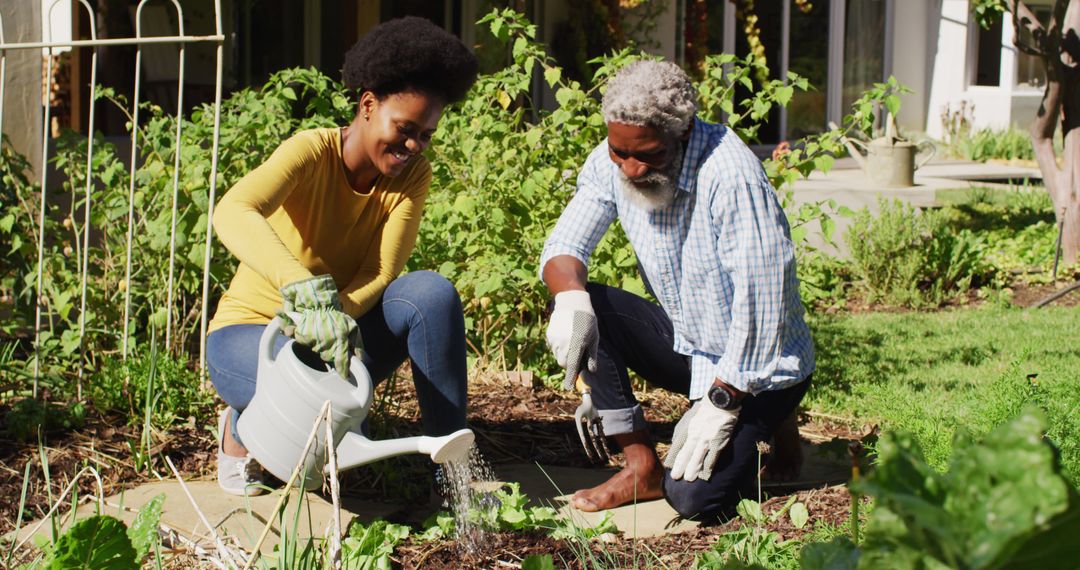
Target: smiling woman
{"points": [[323, 228]]}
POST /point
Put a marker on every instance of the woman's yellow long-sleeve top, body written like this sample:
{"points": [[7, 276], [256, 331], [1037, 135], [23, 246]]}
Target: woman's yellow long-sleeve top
{"points": [[295, 217]]}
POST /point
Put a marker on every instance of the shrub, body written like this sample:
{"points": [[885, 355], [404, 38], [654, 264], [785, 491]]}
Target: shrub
{"points": [[502, 171], [149, 378], [253, 123], [988, 144], [913, 258]]}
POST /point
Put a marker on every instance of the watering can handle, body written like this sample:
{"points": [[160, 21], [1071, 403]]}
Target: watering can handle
{"points": [[364, 385], [266, 341], [356, 365], [933, 152]]}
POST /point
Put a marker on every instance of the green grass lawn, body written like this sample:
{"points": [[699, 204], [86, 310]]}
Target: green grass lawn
{"points": [[935, 373]]}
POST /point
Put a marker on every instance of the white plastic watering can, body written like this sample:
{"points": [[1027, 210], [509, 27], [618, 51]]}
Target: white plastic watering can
{"points": [[290, 391]]}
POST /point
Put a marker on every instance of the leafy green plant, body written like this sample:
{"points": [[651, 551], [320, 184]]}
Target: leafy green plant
{"points": [[106, 543], [987, 144], [1002, 504], [369, 547], [538, 562], [503, 168], [28, 418], [913, 258], [824, 280], [149, 382], [751, 545], [253, 123], [507, 509]]}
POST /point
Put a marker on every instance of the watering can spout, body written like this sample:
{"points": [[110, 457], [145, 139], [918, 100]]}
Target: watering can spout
{"points": [[355, 449]]}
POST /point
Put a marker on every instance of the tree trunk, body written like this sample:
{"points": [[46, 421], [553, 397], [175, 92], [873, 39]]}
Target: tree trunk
{"points": [[1061, 100]]}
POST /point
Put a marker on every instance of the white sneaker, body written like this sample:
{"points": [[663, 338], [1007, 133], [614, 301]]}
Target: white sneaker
{"points": [[236, 475]]}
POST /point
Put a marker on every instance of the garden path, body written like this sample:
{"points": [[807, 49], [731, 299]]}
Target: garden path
{"points": [[243, 519]]}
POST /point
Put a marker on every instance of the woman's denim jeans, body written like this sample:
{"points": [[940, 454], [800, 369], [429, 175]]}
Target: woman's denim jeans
{"points": [[419, 317]]}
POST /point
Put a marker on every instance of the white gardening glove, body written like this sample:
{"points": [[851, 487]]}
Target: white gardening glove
{"points": [[573, 334], [700, 436]]}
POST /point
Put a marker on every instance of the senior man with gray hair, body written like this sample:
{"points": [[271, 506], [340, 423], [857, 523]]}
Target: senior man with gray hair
{"points": [[715, 250]]}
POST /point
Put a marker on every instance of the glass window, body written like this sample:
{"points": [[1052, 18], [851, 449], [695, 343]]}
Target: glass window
{"points": [[770, 15], [808, 56], [864, 48], [988, 55], [1030, 70]]}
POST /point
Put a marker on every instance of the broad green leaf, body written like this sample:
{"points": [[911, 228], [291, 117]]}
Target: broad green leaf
{"points": [[532, 137], [513, 516], [799, 515], [828, 227], [552, 75], [447, 269], [565, 95], [497, 28], [892, 103], [824, 162], [96, 543], [750, 510], [538, 562], [520, 45], [838, 554], [143, 531], [798, 235], [783, 94]]}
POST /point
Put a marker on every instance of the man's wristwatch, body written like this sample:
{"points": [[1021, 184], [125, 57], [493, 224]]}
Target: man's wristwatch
{"points": [[722, 398]]}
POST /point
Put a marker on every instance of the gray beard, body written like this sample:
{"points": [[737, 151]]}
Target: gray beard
{"points": [[654, 191]]}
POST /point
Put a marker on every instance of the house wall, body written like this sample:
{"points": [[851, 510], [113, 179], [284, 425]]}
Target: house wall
{"points": [[952, 74], [22, 87], [913, 54], [950, 63]]}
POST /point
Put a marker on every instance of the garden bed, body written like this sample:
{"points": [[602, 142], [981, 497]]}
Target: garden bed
{"points": [[514, 422]]}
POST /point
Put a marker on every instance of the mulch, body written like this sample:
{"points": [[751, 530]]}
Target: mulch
{"points": [[829, 505], [516, 421], [104, 443], [1028, 295]]}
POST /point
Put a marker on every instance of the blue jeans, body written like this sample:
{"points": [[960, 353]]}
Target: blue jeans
{"points": [[418, 317], [638, 334]]}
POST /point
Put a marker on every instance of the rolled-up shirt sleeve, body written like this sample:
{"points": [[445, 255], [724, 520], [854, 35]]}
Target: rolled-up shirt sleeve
{"points": [[586, 218], [756, 251]]}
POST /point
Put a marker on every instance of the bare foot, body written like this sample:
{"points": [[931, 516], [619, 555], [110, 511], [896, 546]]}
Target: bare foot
{"points": [[785, 461], [640, 480]]}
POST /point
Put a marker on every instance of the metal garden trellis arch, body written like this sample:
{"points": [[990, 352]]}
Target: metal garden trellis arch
{"points": [[181, 39]]}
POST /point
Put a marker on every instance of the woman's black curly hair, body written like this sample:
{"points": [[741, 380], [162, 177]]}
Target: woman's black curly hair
{"points": [[410, 54]]}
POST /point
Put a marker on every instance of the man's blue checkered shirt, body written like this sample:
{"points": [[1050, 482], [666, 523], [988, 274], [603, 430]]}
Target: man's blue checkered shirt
{"points": [[719, 259]]}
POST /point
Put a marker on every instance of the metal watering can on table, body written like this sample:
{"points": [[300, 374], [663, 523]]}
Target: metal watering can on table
{"points": [[889, 161], [290, 392]]}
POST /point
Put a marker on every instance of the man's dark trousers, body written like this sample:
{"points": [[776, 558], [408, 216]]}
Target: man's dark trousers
{"points": [[637, 334]]}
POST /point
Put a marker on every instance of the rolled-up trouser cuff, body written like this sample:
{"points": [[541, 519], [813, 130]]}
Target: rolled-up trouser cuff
{"points": [[623, 420]]}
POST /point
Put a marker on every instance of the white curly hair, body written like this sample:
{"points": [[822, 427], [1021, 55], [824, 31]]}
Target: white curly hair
{"points": [[650, 93]]}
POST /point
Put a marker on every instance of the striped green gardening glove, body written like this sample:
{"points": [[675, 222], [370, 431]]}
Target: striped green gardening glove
{"points": [[311, 313]]}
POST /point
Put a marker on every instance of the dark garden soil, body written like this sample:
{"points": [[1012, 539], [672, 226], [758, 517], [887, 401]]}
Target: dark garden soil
{"points": [[830, 505], [515, 421], [103, 443], [1025, 295]]}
